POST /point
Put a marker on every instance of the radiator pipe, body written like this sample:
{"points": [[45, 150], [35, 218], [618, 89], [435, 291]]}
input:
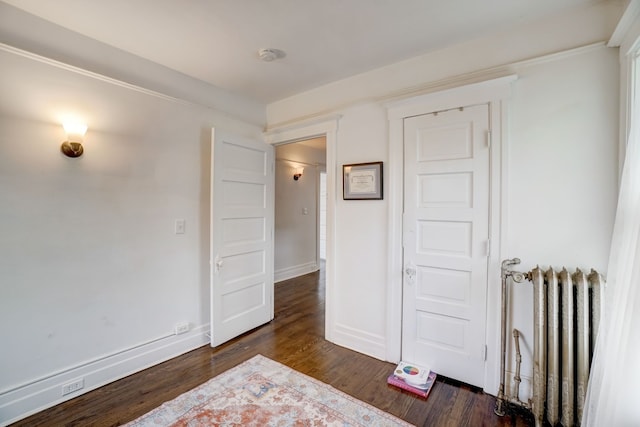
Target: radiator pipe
{"points": [[516, 378], [505, 272]]}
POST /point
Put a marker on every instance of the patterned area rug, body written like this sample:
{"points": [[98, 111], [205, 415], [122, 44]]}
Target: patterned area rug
{"points": [[261, 392]]}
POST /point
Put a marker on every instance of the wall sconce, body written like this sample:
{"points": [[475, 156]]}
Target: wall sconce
{"points": [[72, 147], [297, 173]]}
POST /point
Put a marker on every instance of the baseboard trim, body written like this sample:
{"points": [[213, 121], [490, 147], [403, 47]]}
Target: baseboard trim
{"points": [[21, 402], [295, 271], [363, 342]]}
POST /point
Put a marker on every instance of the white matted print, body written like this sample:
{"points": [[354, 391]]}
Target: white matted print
{"points": [[362, 181]]}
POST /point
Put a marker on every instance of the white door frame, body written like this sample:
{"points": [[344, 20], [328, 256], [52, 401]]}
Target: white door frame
{"points": [[321, 170], [495, 93], [327, 127]]}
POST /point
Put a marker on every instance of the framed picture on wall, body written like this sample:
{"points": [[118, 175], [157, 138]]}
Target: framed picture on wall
{"points": [[362, 181]]}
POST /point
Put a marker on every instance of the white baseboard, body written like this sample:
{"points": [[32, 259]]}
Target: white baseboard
{"points": [[20, 402], [363, 342], [295, 271]]}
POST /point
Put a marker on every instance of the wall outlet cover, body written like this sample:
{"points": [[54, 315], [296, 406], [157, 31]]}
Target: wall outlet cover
{"points": [[73, 386], [181, 328]]}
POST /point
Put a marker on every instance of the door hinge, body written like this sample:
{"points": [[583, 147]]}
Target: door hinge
{"points": [[488, 247], [485, 353], [488, 139]]}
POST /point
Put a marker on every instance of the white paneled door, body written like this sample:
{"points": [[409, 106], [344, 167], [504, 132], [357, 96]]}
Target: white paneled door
{"points": [[242, 212], [446, 231]]}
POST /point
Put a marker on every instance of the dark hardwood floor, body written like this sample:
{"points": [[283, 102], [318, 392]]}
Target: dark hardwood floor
{"points": [[295, 338]]}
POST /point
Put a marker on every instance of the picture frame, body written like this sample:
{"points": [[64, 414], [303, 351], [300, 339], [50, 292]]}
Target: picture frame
{"points": [[362, 181]]}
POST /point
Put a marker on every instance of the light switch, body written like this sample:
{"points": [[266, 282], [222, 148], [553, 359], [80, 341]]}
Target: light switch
{"points": [[180, 225]]}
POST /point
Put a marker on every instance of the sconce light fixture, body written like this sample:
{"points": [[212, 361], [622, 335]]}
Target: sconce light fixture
{"points": [[297, 173], [72, 147]]}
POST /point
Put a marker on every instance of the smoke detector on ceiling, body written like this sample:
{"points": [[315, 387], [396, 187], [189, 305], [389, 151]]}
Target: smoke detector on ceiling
{"points": [[270, 54]]}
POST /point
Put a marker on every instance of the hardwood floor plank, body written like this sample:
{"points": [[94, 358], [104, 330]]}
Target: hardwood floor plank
{"points": [[294, 338]]}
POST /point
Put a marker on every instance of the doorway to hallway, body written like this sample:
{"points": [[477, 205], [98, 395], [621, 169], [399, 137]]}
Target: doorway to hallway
{"points": [[300, 207]]}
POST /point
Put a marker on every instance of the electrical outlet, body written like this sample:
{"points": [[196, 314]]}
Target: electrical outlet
{"points": [[181, 328], [74, 386]]}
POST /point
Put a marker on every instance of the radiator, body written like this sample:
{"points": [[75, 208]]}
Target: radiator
{"points": [[566, 317]]}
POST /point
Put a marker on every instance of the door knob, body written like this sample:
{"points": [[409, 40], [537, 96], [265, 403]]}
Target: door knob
{"points": [[218, 262], [410, 271]]}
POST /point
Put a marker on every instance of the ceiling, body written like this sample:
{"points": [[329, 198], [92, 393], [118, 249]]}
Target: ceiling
{"points": [[216, 41]]}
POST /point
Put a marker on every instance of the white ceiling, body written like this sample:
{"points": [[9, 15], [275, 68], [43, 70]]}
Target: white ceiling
{"points": [[325, 40]]}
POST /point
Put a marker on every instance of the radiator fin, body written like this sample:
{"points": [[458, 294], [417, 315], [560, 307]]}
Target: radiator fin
{"points": [[567, 312]]}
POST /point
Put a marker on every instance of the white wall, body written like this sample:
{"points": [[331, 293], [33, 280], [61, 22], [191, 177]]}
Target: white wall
{"points": [[296, 239], [564, 116], [361, 237], [93, 278], [562, 174], [561, 140]]}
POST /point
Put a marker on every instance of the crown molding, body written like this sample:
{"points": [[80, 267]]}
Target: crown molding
{"points": [[626, 23]]}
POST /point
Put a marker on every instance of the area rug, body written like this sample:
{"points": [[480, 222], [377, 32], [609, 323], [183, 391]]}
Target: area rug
{"points": [[262, 392]]}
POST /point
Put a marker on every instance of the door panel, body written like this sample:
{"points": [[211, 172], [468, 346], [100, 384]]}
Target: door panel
{"points": [[442, 190], [446, 229], [241, 236]]}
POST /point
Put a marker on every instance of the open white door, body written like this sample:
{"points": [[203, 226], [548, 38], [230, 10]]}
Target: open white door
{"points": [[446, 232], [242, 194]]}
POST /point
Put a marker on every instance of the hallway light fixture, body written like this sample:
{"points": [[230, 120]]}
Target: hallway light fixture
{"points": [[72, 147], [297, 173]]}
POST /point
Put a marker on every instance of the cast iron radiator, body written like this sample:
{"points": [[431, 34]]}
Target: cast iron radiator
{"points": [[567, 310]]}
